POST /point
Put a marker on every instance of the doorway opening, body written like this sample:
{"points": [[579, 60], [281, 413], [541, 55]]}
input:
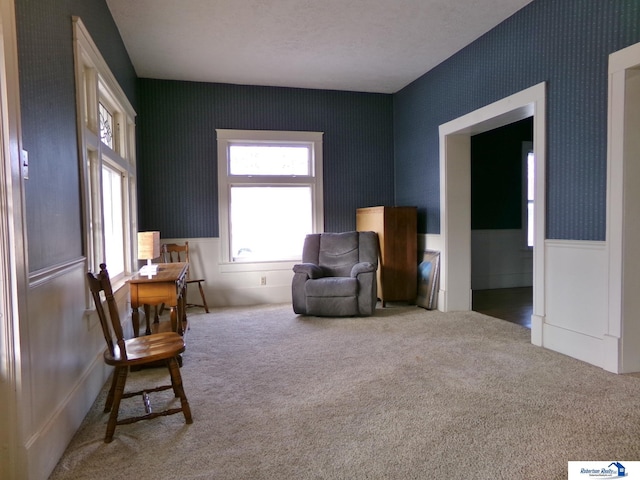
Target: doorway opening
{"points": [[455, 198], [623, 210], [513, 304], [502, 201]]}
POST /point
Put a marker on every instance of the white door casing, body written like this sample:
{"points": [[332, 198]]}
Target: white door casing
{"points": [[13, 265], [455, 197], [623, 212]]}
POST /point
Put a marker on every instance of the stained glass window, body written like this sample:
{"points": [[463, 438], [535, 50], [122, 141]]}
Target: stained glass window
{"points": [[106, 126]]}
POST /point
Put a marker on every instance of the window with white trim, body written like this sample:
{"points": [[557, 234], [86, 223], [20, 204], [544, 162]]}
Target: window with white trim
{"points": [[530, 198], [270, 193], [528, 185], [106, 137]]}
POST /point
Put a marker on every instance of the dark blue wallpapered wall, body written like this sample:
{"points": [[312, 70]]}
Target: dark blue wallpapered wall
{"points": [[177, 163], [564, 43], [48, 104]]}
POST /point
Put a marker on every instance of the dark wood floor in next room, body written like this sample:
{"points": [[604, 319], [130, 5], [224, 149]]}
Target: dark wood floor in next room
{"points": [[511, 304]]}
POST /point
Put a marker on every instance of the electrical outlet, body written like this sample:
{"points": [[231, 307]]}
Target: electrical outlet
{"points": [[263, 280]]}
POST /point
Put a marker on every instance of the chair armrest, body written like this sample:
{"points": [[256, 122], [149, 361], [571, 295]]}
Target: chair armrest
{"points": [[310, 269], [363, 267]]}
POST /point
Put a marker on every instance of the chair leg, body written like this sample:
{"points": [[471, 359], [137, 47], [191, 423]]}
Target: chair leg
{"points": [[109, 402], [204, 300], [173, 382], [178, 390], [120, 375]]}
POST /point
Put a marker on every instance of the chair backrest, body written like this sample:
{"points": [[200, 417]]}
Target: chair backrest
{"points": [[172, 252], [102, 283], [337, 253]]}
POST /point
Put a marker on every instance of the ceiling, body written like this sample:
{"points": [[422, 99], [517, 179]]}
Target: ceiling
{"points": [[356, 45]]}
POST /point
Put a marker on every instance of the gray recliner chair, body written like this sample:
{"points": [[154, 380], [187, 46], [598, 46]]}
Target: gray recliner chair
{"points": [[338, 275]]}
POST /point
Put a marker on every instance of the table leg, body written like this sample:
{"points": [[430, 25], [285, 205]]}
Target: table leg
{"points": [[178, 312], [182, 304], [181, 315], [147, 316], [174, 320], [182, 301], [135, 321]]}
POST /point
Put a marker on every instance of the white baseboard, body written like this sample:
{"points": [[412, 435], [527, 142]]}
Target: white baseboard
{"points": [[611, 355], [574, 344], [253, 295], [537, 325]]}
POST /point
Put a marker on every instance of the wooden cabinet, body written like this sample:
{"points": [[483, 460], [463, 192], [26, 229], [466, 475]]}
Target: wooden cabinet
{"points": [[397, 231]]}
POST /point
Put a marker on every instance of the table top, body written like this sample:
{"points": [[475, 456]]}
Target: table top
{"points": [[167, 272]]}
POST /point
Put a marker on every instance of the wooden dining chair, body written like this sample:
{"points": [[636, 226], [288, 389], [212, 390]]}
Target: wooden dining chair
{"points": [[174, 252], [124, 353]]}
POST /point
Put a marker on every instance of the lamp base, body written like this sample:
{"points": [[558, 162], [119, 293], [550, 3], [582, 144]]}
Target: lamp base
{"points": [[149, 269]]}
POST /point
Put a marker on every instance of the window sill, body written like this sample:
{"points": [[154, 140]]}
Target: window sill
{"points": [[120, 292], [119, 284]]}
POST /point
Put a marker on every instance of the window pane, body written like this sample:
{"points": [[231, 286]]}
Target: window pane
{"points": [[269, 160], [530, 196], [113, 220], [530, 175], [269, 223], [530, 224]]}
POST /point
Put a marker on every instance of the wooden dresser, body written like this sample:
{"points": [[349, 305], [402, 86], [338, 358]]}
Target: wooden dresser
{"points": [[397, 231]]}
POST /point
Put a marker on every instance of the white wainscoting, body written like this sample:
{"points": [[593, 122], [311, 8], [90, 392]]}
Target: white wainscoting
{"points": [[62, 366], [575, 314], [500, 259], [429, 242], [240, 285], [575, 321], [235, 284]]}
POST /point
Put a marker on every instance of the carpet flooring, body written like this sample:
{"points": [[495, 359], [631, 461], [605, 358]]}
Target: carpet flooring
{"points": [[405, 394]]}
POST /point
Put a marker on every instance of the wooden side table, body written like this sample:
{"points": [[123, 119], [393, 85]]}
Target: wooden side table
{"points": [[167, 287]]}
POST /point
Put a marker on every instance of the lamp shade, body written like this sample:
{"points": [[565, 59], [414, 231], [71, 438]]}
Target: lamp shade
{"points": [[148, 245]]}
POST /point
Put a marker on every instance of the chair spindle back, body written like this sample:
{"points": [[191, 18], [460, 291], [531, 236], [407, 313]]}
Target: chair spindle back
{"points": [[176, 253], [102, 283]]}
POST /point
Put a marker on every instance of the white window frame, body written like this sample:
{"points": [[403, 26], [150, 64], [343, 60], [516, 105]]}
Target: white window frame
{"points": [[225, 139], [96, 84], [527, 148]]}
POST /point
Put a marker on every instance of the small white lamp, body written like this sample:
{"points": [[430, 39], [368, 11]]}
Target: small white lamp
{"points": [[148, 249]]}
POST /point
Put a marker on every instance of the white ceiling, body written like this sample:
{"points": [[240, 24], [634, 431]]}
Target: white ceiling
{"points": [[356, 45]]}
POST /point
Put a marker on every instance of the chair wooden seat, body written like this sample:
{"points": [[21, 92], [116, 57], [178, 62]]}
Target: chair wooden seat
{"points": [[124, 353], [146, 349]]}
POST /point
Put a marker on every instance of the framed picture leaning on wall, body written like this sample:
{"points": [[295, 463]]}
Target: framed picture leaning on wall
{"points": [[428, 280]]}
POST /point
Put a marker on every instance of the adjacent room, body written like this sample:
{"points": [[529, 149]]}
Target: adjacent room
{"points": [[230, 131]]}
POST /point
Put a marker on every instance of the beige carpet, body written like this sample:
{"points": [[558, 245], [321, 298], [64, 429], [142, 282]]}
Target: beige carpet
{"points": [[407, 394]]}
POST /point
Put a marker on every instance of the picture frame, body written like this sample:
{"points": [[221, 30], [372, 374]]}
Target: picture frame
{"points": [[428, 280]]}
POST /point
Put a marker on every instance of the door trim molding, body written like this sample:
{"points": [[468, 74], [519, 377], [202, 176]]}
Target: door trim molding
{"points": [[622, 330], [13, 260], [455, 197]]}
